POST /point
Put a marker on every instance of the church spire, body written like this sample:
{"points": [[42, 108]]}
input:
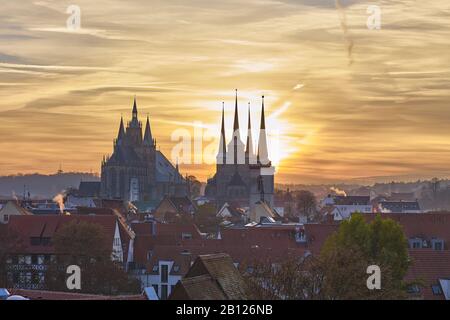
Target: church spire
{"points": [[236, 115], [263, 154], [121, 134], [135, 113], [148, 139], [221, 156], [249, 153]]}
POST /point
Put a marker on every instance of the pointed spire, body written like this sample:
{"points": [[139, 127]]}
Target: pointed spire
{"points": [[135, 113], [221, 155], [121, 134], [263, 117], [222, 130], [236, 115], [148, 139], [263, 154], [249, 151]]}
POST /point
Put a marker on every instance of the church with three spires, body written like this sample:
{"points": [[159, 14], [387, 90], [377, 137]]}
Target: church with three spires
{"points": [[137, 170], [244, 176]]}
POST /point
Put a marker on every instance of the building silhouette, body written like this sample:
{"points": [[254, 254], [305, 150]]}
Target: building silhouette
{"points": [[243, 175], [137, 170]]}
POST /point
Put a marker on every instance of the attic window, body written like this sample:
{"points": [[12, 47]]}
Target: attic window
{"points": [[436, 289], [437, 244], [415, 243], [176, 268], [413, 289], [155, 268]]}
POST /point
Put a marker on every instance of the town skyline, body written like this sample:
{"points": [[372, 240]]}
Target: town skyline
{"points": [[344, 105]]}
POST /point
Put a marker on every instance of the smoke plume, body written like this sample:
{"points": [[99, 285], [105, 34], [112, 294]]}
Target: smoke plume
{"points": [[59, 199], [338, 191]]}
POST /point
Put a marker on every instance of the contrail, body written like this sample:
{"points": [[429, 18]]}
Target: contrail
{"points": [[348, 39]]}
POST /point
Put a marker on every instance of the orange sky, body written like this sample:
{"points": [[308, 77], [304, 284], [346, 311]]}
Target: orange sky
{"points": [[342, 101]]}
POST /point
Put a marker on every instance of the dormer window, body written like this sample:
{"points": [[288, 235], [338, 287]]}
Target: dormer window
{"points": [[437, 244], [437, 290], [413, 289], [415, 243]]}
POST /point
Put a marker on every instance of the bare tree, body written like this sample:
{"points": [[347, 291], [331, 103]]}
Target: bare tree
{"points": [[307, 204]]}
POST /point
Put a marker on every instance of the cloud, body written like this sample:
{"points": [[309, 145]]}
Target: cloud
{"points": [[387, 114]]}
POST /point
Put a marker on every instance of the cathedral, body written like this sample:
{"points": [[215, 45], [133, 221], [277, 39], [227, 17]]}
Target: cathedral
{"points": [[243, 176], [137, 170]]}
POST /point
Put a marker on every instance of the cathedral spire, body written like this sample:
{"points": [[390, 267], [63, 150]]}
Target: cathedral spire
{"points": [[249, 153], [121, 133], [236, 115], [221, 156], [263, 154], [148, 139], [135, 113]]}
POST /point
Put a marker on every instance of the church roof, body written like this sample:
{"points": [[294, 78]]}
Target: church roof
{"points": [[165, 171]]}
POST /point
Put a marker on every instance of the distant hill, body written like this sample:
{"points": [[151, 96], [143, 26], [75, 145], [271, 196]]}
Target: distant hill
{"points": [[40, 185]]}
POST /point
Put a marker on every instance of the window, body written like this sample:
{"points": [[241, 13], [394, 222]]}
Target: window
{"points": [[415, 243], [155, 268], [437, 244], [164, 273], [5, 218], [436, 289], [164, 292], [35, 241], [45, 241], [155, 286], [413, 289], [186, 236], [176, 268], [34, 259]]}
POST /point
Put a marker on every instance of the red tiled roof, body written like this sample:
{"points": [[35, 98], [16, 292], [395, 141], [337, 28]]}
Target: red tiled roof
{"points": [[166, 234], [272, 243], [47, 225], [429, 266], [423, 225]]}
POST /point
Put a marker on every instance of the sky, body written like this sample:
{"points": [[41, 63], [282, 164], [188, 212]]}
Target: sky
{"points": [[343, 101]]}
